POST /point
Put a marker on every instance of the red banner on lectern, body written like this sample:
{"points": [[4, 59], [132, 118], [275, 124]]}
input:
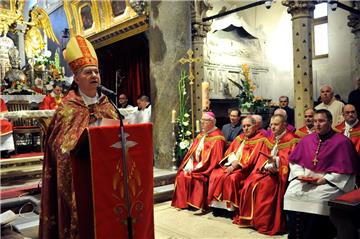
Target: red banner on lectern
{"points": [[105, 184]]}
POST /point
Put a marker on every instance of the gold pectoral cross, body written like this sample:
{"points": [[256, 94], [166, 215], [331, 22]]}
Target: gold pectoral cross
{"points": [[315, 160]]}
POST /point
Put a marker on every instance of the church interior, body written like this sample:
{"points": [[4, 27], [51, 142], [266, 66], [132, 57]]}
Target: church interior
{"points": [[186, 57]]}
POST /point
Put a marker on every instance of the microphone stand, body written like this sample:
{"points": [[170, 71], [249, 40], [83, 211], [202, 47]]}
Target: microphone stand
{"points": [[123, 156]]}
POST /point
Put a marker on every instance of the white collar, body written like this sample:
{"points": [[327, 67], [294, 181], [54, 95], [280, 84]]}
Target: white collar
{"points": [[351, 125], [278, 137], [89, 100]]}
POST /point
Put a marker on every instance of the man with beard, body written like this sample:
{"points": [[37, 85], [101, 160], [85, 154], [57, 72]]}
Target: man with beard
{"points": [[308, 128], [204, 154], [239, 161], [323, 166], [262, 193]]}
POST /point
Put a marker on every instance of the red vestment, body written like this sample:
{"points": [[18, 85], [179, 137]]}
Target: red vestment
{"points": [[225, 187], [261, 198], [302, 132], [354, 134], [191, 188], [5, 126], [50, 102], [355, 139], [58, 218]]}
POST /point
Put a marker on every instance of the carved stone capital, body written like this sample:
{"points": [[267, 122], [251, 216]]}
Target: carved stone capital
{"points": [[354, 20], [198, 12], [299, 7]]}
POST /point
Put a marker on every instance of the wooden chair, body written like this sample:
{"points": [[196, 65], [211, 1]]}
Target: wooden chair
{"points": [[25, 130]]}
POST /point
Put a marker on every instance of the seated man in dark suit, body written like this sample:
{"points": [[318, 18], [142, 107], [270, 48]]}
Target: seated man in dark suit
{"points": [[234, 128]]}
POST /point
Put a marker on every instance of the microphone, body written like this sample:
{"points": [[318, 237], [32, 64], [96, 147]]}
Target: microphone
{"points": [[106, 91]]}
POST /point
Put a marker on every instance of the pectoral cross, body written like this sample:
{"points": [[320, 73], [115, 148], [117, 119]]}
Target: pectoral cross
{"points": [[315, 160], [190, 60]]}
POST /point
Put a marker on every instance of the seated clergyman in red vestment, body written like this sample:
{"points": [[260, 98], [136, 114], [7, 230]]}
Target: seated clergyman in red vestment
{"points": [[239, 160], [205, 153], [322, 167], [351, 126], [261, 198], [52, 100], [308, 128], [80, 107]]}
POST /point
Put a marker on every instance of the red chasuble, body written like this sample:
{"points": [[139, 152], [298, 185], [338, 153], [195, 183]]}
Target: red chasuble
{"points": [[50, 103], [261, 198], [58, 217], [302, 132], [5, 126], [191, 189], [354, 134], [224, 186]]}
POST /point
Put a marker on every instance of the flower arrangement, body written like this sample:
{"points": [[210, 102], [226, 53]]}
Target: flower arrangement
{"points": [[47, 71], [247, 101], [183, 124]]}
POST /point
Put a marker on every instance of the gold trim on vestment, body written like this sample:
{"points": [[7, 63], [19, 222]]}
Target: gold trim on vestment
{"points": [[252, 205]]}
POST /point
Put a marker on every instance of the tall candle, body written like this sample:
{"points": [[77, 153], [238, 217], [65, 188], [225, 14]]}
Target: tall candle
{"points": [[205, 95], [173, 116], [197, 126]]}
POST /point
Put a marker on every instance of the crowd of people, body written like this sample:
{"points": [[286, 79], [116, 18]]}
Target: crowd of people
{"points": [[276, 180]]}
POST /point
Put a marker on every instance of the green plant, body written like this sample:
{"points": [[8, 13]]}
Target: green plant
{"points": [[183, 124], [246, 99]]}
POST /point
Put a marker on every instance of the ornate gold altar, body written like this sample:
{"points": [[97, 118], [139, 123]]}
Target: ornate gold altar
{"points": [[108, 21]]}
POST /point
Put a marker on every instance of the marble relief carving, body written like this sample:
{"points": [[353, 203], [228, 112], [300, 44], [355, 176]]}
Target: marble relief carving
{"points": [[224, 53]]}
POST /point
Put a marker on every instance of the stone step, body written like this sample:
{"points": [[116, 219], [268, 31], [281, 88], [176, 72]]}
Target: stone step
{"points": [[163, 193]]}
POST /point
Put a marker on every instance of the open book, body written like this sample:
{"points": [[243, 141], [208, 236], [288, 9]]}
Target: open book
{"points": [[7, 217]]}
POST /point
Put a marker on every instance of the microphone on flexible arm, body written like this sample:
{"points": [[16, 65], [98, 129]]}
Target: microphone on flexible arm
{"points": [[106, 91]]}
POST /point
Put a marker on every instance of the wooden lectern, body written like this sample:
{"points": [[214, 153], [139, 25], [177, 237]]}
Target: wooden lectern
{"points": [[99, 182]]}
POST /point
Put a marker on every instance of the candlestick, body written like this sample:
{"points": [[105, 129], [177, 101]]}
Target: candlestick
{"points": [[205, 95], [197, 126], [173, 116]]}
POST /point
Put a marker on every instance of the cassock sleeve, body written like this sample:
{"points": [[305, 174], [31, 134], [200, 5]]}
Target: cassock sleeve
{"points": [[295, 170], [344, 182]]}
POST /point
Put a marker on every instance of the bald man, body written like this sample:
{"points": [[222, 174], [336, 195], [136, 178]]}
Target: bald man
{"points": [[350, 127], [308, 128], [331, 104]]}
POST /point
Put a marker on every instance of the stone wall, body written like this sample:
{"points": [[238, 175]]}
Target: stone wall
{"points": [[169, 39]]}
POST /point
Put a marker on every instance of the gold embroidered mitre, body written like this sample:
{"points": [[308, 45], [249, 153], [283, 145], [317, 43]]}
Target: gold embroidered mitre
{"points": [[79, 53]]}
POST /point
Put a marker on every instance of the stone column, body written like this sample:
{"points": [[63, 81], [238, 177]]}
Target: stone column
{"points": [[169, 39], [199, 31], [354, 23], [302, 15]]}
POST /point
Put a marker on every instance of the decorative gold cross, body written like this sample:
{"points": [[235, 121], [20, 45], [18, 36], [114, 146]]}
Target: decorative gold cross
{"points": [[315, 160], [190, 60]]}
